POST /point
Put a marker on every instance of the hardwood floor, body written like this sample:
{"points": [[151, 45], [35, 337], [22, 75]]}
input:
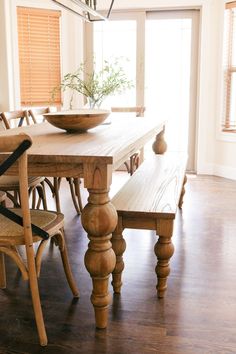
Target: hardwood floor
{"points": [[198, 314]]}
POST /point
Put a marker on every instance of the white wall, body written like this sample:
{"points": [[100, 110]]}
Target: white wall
{"points": [[71, 48], [5, 61]]}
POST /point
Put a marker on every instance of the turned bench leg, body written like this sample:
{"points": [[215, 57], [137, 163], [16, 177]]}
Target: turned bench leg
{"points": [[164, 250], [182, 192], [119, 246]]}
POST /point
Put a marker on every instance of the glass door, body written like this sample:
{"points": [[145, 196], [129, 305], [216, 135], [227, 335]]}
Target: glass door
{"points": [[170, 75]]}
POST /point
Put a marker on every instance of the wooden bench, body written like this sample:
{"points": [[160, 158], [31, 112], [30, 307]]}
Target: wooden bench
{"points": [[149, 200]]}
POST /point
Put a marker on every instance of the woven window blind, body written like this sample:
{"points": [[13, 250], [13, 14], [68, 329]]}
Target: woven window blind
{"points": [[229, 114], [39, 55]]}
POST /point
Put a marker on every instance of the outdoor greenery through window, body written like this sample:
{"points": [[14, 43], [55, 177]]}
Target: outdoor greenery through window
{"points": [[39, 55], [229, 114]]}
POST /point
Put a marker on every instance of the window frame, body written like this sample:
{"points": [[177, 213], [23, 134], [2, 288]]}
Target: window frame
{"points": [[228, 68]]}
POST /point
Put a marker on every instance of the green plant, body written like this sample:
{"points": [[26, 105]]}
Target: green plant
{"points": [[96, 86]]}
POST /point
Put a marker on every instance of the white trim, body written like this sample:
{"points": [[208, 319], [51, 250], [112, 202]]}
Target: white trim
{"points": [[227, 137], [206, 169], [171, 14], [224, 171]]}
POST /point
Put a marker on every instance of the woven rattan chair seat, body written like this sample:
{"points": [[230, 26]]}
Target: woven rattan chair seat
{"points": [[13, 233]]}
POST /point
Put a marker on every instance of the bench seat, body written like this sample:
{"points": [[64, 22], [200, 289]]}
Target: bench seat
{"points": [[149, 200]]}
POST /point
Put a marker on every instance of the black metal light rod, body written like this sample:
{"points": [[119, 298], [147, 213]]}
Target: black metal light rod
{"points": [[87, 9], [99, 19], [71, 10]]}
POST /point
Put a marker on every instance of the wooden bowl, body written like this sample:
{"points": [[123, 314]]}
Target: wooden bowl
{"points": [[78, 120]]}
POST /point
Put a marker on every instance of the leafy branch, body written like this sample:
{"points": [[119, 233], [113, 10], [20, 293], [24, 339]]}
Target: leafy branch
{"points": [[96, 86]]}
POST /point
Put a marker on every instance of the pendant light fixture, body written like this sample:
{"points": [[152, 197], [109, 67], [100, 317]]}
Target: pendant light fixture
{"points": [[88, 9]]}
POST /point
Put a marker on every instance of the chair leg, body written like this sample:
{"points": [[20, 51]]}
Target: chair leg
{"points": [[12, 252], [27, 273], [73, 195], [39, 254], [13, 199], [134, 162], [3, 282], [33, 192], [74, 184], [127, 166], [42, 197], [65, 261], [56, 193], [50, 185], [17, 198], [35, 297], [77, 182]]}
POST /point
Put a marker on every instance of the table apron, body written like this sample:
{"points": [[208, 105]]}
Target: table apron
{"points": [[50, 170]]}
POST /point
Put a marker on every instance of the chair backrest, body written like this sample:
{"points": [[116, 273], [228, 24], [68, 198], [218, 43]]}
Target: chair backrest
{"points": [[2, 124], [15, 118], [139, 110], [36, 113], [17, 146], [19, 143]]}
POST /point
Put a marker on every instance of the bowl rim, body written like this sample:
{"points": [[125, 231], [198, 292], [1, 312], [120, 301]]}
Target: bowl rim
{"points": [[82, 111]]}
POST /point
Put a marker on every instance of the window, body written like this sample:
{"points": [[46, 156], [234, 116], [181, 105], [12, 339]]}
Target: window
{"points": [[117, 39], [39, 55], [229, 114]]}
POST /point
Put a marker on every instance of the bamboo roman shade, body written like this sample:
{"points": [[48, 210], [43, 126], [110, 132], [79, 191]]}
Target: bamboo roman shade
{"points": [[229, 116], [39, 55]]}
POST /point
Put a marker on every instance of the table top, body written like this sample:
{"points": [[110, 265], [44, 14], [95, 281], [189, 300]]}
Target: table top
{"points": [[109, 144], [105, 142]]}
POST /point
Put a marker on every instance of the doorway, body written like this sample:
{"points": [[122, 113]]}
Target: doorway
{"points": [[171, 76], [162, 49]]}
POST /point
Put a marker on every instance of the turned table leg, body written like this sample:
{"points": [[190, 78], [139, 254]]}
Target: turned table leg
{"points": [[160, 146], [99, 219]]}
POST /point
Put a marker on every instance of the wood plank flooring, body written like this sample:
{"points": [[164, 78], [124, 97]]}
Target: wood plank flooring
{"points": [[198, 315]]}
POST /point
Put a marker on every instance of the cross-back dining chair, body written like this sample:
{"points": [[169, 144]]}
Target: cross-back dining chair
{"points": [[139, 110], [10, 184], [134, 159], [3, 197], [25, 227], [74, 183], [37, 113], [14, 119]]}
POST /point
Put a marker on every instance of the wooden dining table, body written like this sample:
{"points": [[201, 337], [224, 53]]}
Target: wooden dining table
{"points": [[93, 155]]}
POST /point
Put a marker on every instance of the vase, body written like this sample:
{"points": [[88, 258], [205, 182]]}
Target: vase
{"points": [[93, 104]]}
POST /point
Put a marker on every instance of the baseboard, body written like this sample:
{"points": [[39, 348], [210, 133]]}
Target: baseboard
{"points": [[225, 171], [205, 169]]}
